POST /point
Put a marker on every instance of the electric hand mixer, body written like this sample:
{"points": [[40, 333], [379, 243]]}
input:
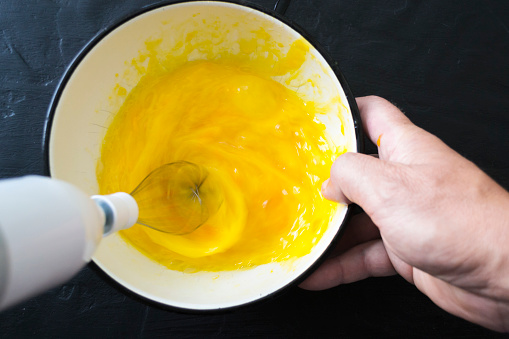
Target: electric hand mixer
{"points": [[50, 229]]}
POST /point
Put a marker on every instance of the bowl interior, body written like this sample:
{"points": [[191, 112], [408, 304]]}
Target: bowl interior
{"points": [[86, 104]]}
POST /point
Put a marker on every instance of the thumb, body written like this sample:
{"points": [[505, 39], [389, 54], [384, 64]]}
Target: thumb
{"points": [[362, 179]]}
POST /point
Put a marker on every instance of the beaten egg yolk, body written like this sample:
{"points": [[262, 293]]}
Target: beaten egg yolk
{"points": [[260, 141]]}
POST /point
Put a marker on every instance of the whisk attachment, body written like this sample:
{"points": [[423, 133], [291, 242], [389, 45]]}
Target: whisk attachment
{"points": [[177, 198]]}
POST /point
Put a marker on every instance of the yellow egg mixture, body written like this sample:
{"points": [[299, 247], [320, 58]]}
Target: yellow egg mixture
{"points": [[261, 141]]}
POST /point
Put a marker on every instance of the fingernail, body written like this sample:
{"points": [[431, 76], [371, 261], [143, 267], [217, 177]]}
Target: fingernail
{"points": [[327, 191]]}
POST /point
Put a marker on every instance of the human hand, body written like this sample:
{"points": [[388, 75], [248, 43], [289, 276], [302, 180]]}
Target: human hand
{"points": [[431, 215]]}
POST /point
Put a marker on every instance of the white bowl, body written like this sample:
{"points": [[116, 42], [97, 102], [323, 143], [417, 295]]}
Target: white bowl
{"points": [[82, 108]]}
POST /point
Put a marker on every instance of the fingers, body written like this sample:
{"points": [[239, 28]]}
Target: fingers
{"points": [[365, 260], [331, 191], [361, 179], [397, 138], [380, 118], [360, 229], [348, 170]]}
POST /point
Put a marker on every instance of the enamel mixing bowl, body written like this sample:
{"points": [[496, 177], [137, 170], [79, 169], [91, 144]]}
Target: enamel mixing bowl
{"points": [[85, 103]]}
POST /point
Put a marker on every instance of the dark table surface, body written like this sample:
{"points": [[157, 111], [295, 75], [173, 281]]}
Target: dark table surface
{"points": [[444, 63]]}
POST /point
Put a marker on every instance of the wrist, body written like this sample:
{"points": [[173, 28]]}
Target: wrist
{"points": [[499, 248], [492, 224]]}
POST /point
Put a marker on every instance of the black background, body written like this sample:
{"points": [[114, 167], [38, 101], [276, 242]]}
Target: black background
{"points": [[444, 63]]}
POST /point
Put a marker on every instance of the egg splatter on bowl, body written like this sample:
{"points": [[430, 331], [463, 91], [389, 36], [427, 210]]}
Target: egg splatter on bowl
{"points": [[234, 90]]}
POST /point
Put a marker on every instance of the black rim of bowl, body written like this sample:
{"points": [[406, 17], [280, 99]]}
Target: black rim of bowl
{"points": [[334, 66]]}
